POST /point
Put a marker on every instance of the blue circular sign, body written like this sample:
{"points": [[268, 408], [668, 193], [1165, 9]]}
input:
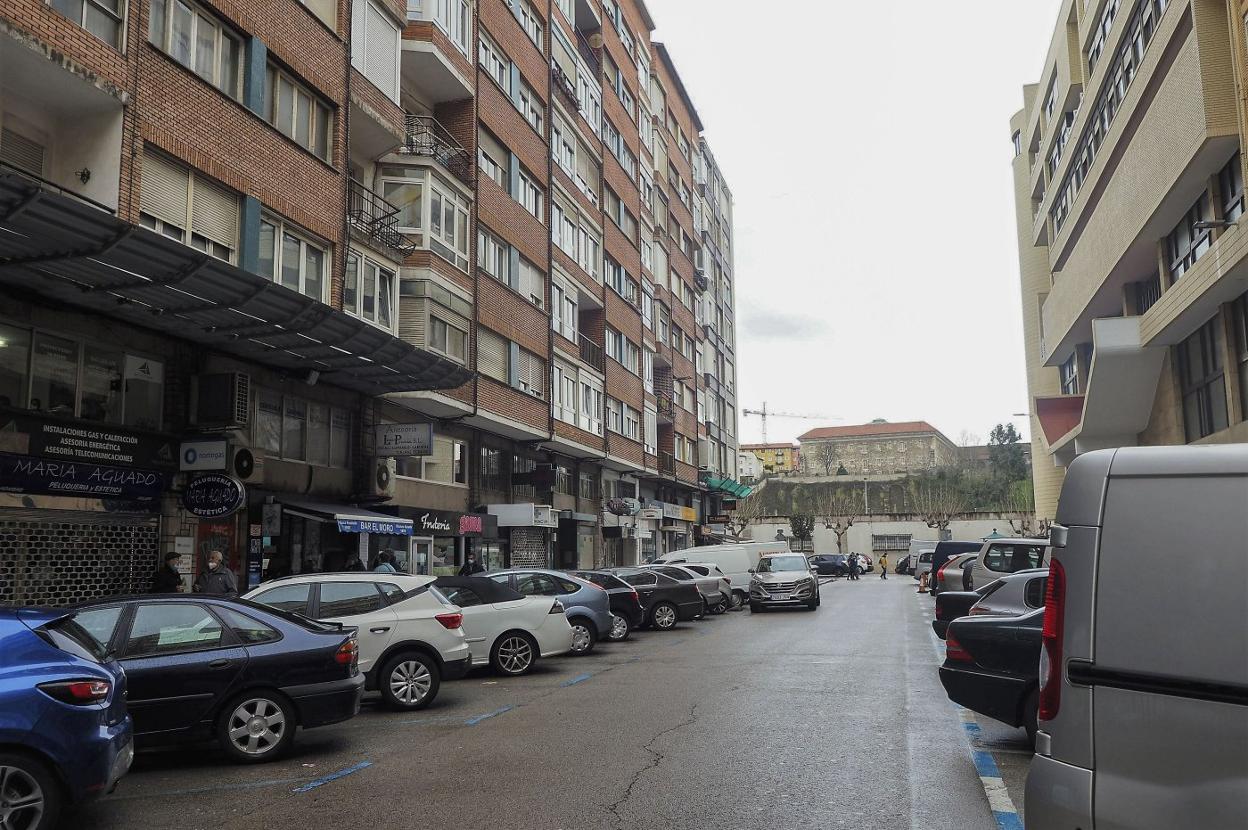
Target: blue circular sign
{"points": [[213, 495]]}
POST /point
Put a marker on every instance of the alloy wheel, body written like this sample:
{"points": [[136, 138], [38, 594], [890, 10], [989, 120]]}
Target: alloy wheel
{"points": [[21, 799], [410, 682], [515, 655], [665, 616], [619, 627], [257, 726]]}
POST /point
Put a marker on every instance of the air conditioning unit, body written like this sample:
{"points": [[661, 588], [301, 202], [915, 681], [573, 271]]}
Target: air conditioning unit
{"points": [[382, 478], [222, 400], [246, 464]]}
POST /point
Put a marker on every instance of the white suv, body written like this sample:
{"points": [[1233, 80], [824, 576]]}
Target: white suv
{"points": [[411, 638]]}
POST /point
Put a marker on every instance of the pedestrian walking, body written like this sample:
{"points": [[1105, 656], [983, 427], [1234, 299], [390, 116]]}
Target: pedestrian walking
{"points": [[883, 566], [216, 579], [385, 563], [853, 567], [168, 580], [471, 566]]}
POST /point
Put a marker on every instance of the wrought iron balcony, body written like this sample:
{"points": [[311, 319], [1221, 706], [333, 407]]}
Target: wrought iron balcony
{"points": [[563, 84], [700, 281], [376, 218], [666, 407], [592, 354], [427, 137]]}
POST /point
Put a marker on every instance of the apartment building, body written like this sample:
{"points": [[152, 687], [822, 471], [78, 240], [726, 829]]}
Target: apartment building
{"points": [[774, 458], [306, 281], [1129, 188]]}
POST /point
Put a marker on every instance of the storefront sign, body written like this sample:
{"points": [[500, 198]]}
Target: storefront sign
{"points": [[30, 474], [651, 513], [676, 511], [433, 523], [395, 528], [203, 455], [404, 439], [212, 496], [719, 519], [72, 440], [623, 507]]}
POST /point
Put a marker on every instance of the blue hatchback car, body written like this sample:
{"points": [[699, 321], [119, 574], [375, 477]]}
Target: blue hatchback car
{"points": [[65, 735]]}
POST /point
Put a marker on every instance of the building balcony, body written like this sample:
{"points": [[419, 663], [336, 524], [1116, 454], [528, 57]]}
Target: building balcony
{"points": [[667, 464], [427, 137], [666, 408], [700, 280], [376, 219], [564, 85], [592, 353], [437, 50]]}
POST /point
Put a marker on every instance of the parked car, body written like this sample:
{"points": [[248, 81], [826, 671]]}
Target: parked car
{"points": [[1144, 673], [735, 559], [830, 564], [664, 601], [587, 607], [998, 557], [200, 667], [865, 563], [923, 564], [953, 575], [992, 667], [625, 602], [410, 639], [917, 546], [504, 628], [784, 580], [730, 597], [1013, 594], [941, 552], [65, 735], [708, 586], [903, 565]]}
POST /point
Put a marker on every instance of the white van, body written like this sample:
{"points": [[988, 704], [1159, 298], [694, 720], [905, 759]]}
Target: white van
{"points": [[917, 546], [1143, 702], [735, 559]]}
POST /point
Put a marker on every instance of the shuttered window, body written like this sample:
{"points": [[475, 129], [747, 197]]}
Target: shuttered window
{"points": [[185, 205], [531, 374], [492, 355], [375, 47], [21, 152]]}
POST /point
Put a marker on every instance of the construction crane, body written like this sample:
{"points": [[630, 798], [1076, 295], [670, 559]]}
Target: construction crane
{"points": [[765, 413]]}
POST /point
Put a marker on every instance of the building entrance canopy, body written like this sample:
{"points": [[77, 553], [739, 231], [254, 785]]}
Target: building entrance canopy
{"points": [[351, 519], [68, 250]]}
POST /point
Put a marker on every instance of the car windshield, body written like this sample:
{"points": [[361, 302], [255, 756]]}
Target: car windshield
{"points": [[771, 564]]}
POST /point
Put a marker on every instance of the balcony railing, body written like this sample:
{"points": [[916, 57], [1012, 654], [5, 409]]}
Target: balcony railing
{"points": [[666, 407], [427, 137], [373, 216], [667, 463], [700, 281], [565, 85], [592, 354]]}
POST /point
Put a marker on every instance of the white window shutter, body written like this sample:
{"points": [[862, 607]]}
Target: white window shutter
{"points": [[166, 187], [492, 355], [214, 212], [413, 319], [358, 28], [381, 57]]}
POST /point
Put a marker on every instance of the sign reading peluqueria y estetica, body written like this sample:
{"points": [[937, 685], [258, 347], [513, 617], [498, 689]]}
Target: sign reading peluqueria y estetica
{"points": [[404, 440], [47, 476], [66, 439], [213, 495]]}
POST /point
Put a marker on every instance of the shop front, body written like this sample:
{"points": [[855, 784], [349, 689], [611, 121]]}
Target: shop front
{"points": [[677, 526], [313, 537], [442, 539], [530, 533]]}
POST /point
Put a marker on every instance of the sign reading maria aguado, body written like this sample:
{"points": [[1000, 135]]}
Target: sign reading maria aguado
{"points": [[213, 495], [28, 474]]}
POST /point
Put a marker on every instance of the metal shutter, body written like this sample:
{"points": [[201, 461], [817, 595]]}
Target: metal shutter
{"points": [[492, 355], [357, 34], [165, 189], [413, 317], [532, 373], [20, 151], [382, 54], [214, 212]]}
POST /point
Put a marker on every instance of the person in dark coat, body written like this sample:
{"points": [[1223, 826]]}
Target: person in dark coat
{"points": [[217, 579], [471, 566], [168, 580]]}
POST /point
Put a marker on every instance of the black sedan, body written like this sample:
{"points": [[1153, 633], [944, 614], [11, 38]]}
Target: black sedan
{"points": [[625, 602], [952, 605], [201, 667], [992, 666], [830, 564], [664, 601]]}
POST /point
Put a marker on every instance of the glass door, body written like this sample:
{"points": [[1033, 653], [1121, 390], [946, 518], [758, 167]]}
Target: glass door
{"points": [[422, 555]]}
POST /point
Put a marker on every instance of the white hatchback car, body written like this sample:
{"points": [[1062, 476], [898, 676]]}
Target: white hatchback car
{"points": [[410, 638], [506, 629]]}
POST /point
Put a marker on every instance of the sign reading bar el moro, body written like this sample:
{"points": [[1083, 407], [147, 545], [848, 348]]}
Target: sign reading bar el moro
{"points": [[65, 440]]}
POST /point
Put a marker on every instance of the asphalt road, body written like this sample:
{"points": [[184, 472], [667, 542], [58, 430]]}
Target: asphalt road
{"points": [[813, 720]]}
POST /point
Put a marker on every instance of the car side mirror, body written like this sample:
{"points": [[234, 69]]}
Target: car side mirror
{"points": [[751, 570]]}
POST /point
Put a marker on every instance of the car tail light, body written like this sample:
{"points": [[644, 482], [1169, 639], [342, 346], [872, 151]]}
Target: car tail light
{"points": [[78, 692], [348, 654], [557, 608], [636, 596], [955, 651], [450, 621], [1051, 642]]}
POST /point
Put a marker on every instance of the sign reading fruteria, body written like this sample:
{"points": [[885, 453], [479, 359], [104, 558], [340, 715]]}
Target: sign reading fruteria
{"points": [[404, 439], [213, 496]]}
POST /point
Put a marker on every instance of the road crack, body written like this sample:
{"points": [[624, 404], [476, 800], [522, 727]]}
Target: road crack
{"points": [[656, 759]]}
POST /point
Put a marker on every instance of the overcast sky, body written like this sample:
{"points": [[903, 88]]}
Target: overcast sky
{"points": [[868, 149]]}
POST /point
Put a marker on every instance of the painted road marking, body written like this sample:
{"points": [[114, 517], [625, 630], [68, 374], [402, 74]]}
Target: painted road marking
{"points": [[333, 776], [473, 721], [580, 678]]}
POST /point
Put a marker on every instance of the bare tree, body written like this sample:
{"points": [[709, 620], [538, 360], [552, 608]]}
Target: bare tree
{"points": [[747, 510], [1020, 506], [823, 455], [839, 510], [938, 501], [968, 439]]}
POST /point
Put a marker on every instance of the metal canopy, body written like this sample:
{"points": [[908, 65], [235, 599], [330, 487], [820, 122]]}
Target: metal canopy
{"points": [[67, 250]]}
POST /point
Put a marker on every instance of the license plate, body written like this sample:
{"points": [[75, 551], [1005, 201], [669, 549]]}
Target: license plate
{"points": [[779, 596]]}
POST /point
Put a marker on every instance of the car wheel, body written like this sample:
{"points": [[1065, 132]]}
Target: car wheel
{"points": [[1031, 711], [664, 616], [256, 726], [584, 636], [409, 680], [30, 797], [513, 654], [738, 599], [620, 629]]}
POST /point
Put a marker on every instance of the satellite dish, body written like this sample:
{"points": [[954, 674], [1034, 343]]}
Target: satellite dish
{"points": [[595, 40]]}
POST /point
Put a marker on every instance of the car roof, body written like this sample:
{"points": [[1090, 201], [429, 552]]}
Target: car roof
{"points": [[488, 589], [345, 576]]}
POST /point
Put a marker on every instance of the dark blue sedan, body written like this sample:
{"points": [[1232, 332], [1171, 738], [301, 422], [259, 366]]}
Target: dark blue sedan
{"points": [[200, 667], [65, 736]]}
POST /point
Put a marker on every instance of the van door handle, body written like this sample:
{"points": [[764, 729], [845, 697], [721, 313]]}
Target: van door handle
{"points": [[219, 664], [381, 630]]}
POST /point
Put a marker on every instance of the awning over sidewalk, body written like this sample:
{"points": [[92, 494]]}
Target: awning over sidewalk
{"points": [[67, 250], [350, 519], [730, 486]]}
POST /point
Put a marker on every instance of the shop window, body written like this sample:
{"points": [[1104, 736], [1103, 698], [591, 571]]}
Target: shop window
{"points": [[590, 487], [54, 375], [318, 434], [294, 429], [267, 433]]}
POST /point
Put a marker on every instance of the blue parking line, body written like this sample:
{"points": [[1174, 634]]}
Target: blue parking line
{"points": [[1007, 821], [580, 678], [984, 764], [333, 776], [473, 721]]}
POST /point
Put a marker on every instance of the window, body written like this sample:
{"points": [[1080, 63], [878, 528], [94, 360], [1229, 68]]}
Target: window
{"points": [[620, 214], [563, 309], [1101, 32], [590, 487], [347, 599], [536, 585], [99, 623], [499, 67], [1068, 373], [492, 355], [446, 465], [528, 103], [185, 205], [530, 373], [615, 415], [614, 345], [369, 291], [1240, 314], [591, 405], [531, 283], [427, 203], [194, 39], [248, 629], [299, 430], [298, 114], [1202, 381], [589, 97], [647, 364], [492, 158], [529, 195], [563, 146], [102, 18], [454, 17], [1231, 188], [1187, 243], [563, 392], [529, 20], [615, 143], [172, 629], [375, 48], [632, 425], [493, 256], [651, 436], [446, 338], [289, 258]]}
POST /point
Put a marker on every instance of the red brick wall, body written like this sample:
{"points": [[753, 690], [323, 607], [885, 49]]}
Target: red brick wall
{"points": [[625, 448], [429, 33], [506, 218], [501, 117], [364, 93], [511, 403], [501, 309], [571, 433]]}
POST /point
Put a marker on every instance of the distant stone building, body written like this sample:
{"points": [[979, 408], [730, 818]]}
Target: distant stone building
{"points": [[774, 458], [878, 448], [749, 468]]}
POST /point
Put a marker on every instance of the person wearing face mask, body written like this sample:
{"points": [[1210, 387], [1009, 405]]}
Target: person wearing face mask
{"points": [[216, 579]]}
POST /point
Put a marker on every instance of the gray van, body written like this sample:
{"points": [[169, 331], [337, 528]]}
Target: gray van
{"points": [[1143, 703]]}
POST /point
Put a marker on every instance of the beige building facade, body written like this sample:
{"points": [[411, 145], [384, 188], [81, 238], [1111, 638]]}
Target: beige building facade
{"points": [[877, 448], [1128, 193]]}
